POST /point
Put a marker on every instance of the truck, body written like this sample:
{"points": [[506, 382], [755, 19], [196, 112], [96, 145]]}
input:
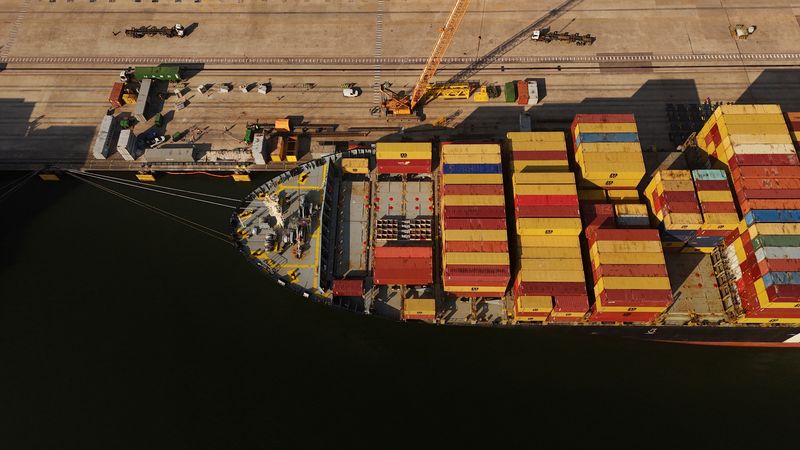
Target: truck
{"points": [[168, 73], [150, 30], [102, 142], [533, 92], [545, 35]]}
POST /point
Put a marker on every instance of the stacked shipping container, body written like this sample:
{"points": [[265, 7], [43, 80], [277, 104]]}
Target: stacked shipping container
{"points": [[550, 284], [754, 144], [474, 237], [402, 265], [793, 121], [403, 157], [630, 275], [673, 201], [720, 219], [608, 154]]}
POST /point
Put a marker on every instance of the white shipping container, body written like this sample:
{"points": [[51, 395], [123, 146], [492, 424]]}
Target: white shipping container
{"points": [[125, 145], [764, 149], [533, 92], [258, 148], [102, 142]]}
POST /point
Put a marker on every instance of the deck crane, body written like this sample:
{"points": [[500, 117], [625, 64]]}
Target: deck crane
{"points": [[404, 104]]}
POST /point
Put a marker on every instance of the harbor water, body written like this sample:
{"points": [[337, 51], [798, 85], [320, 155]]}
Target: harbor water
{"points": [[122, 328]]}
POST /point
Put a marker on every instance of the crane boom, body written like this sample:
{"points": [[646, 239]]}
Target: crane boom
{"points": [[445, 38]]}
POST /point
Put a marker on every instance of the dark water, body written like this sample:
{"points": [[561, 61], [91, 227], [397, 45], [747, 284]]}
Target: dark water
{"points": [[120, 328]]}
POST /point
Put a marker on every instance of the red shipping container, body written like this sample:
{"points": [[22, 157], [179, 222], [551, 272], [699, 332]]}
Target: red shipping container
{"points": [[780, 265], [461, 274], [405, 276], [550, 288], [556, 155], [681, 207], [635, 297], [544, 200], [768, 193], [598, 215], [474, 211], [717, 207], [547, 211], [393, 264], [731, 237], [403, 252], [522, 92], [765, 160], [701, 233], [784, 292], [476, 246], [603, 118], [767, 172], [768, 183], [475, 224], [404, 166], [115, 97], [630, 270], [571, 303], [472, 189], [757, 203], [711, 185], [348, 288], [678, 197]]}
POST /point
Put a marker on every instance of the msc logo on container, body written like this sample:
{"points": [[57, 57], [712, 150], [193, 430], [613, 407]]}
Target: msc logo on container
{"points": [[403, 155]]}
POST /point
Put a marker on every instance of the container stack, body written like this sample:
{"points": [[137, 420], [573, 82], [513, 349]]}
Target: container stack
{"points": [[630, 275], [673, 202], [474, 237], [403, 157], [631, 215], [402, 265], [755, 145], [720, 219], [608, 154], [550, 284]]}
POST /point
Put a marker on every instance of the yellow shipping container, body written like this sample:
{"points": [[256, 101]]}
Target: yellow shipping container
{"points": [[741, 255], [606, 128], [403, 150], [673, 175], [641, 309], [773, 228], [553, 264], [675, 186], [715, 196], [752, 119], [724, 110], [473, 200], [532, 146], [689, 249], [630, 209], [626, 283], [549, 226], [623, 195], [727, 221], [470, 149], [475, 235], [737, 129], [683, 221], [540, 166], [548, 241], [609, 147], [545, 189], [588, 195], [543, 178], [604, 247], [355, 165], [612, 184], [768, 320], [728, 141], [535, 136], [549, 252], [611, 166], [477, 258], [474, 288], [472, 178], [627, 258], [534, 303], [551, 276], [471, 159], [764, 149], [419, 307]]}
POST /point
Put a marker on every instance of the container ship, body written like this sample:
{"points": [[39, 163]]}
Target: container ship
{"points": [[551, 230]]}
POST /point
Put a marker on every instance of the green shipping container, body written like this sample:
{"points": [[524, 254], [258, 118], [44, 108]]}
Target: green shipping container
{"points": [[511, 92], [171, 73]]}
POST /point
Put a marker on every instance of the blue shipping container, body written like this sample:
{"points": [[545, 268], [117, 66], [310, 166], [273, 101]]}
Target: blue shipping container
{"points": [[705, 241], [606, 137], [709, 174], [772, 216], [781, 278], [472, 168], [676, 235]]}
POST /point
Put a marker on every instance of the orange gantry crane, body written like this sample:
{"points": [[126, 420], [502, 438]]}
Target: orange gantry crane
{"points": [[404, 104]]}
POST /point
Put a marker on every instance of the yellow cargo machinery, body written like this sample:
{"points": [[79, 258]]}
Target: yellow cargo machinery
{"points": [[397, 104]]}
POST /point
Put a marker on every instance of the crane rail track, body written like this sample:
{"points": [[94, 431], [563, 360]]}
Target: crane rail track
{"points": [[394, 61]]}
